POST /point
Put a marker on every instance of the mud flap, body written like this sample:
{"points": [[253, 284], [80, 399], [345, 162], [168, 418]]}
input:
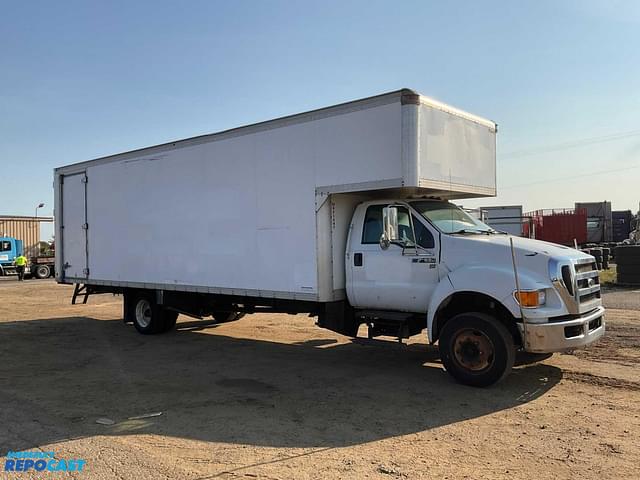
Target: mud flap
{"points": [[339, 317]]}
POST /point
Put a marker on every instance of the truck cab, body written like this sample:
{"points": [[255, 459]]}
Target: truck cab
{"points": [[10, 248], [39, 266], [482, 294]]}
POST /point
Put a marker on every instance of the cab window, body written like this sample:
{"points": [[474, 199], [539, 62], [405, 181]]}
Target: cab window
{"points": [[424, 237], [373, 228], [404, 227]]}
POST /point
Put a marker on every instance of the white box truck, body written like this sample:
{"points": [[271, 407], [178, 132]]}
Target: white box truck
{"points": [[342, 213]]}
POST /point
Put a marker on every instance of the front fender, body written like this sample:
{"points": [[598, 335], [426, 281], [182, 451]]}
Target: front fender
{"points": [[495, 282]]}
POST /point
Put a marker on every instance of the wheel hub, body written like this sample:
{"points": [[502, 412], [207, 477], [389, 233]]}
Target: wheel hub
{"points": [[143, 313], [473, 350]]}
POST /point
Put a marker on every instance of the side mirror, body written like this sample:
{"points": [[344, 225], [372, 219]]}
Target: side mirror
{"points": [[390, 223]]}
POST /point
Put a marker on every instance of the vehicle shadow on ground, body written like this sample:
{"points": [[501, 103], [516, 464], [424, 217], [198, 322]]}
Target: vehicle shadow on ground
{"points": [[57, 376]]}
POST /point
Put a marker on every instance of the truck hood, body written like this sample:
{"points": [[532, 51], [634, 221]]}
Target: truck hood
{"points": [[529, 245], [495, 250]]}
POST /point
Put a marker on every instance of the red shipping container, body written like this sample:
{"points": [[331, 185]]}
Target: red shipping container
{"points": [[558, 226]]}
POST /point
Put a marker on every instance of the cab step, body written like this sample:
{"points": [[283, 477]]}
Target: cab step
{"points": [[392, 324]]}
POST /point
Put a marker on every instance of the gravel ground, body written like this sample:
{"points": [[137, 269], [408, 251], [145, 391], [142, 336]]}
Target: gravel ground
{"points": [[273, 397], [624, 298]]}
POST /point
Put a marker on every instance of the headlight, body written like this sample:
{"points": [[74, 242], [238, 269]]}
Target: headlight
{"points": [[530, 298]]}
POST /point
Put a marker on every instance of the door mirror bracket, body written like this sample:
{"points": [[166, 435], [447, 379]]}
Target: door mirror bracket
{"points": [[384, 241]]}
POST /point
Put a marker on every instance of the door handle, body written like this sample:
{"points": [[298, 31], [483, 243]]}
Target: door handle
{"points": [[357, 259]]}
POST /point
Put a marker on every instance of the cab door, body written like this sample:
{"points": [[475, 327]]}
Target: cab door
{"points": [[397, 278]]}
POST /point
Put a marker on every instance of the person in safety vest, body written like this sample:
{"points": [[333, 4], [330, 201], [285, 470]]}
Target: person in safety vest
{"points": [[21, 264]]}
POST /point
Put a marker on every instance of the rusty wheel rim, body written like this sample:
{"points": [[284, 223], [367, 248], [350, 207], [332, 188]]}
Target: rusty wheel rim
{"points": [[473, 350]]}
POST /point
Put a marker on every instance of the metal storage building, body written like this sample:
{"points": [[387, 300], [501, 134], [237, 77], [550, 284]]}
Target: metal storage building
{"points": [[23, 228]]}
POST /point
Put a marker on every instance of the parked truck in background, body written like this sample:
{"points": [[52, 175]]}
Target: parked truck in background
{"points": [[10, 249], [39, 266], [342, 213]]}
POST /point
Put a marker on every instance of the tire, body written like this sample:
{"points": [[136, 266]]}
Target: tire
{"points": [[628, 254], [476, 349], [150, 318], [628, 259], [225, 317], [170, 319], [628, 269], [628, 279], [42, 271]]}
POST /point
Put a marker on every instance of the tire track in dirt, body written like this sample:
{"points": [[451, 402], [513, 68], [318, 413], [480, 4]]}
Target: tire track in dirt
{"points": [[600, 381]]}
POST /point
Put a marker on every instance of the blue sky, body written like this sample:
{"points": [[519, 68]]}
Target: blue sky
{"points": [[79, 80]]}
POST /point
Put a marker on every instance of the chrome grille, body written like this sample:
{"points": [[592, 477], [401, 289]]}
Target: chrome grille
{"points": [[587, 281], [578, 283]]}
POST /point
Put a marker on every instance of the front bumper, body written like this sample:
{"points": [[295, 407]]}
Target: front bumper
{"points": [[559, 336]]}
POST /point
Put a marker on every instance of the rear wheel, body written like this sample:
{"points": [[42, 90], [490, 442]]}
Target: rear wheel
{"points": [[476, 349], [170, 319], [42, 271], [148, 317]]}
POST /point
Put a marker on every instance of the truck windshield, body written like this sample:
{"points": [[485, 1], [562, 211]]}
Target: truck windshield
{"points": [[450, 219]]}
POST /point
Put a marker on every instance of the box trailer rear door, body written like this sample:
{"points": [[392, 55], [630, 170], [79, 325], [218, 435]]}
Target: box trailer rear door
{"points": [[74, 226]]}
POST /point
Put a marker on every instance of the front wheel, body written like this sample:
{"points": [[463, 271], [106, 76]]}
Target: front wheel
{"points": [[476, 349]]}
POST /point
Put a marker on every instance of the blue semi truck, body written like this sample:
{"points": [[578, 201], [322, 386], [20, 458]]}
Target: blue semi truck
{"points": [[41, 266]]}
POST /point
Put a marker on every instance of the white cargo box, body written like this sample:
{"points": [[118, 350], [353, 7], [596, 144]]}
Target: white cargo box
{"points": [[245, 211]]}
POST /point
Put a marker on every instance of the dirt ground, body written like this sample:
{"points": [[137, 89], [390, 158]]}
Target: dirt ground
{"points": [[274, 397]]}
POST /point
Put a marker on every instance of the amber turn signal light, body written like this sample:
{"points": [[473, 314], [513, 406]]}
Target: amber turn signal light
{"points": [[530, 299]]}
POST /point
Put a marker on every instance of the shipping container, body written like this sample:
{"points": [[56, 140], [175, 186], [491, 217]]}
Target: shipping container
{"points": [[562, 226], [621, 220], [599, 221]]}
